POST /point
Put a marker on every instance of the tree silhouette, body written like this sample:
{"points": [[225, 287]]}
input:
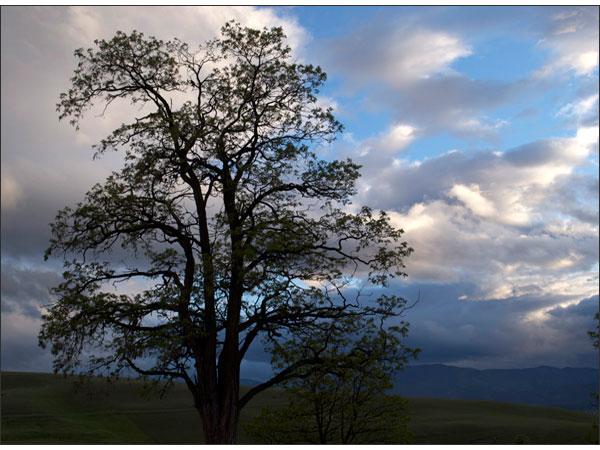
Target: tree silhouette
{"points": [[237, 231]]}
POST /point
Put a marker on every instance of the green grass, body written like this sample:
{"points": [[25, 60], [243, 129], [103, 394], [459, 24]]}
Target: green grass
{"points": [[446, 421], [48, 409]]}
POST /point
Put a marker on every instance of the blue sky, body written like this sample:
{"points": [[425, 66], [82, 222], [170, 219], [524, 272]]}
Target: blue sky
{"points": [[477, 130]]}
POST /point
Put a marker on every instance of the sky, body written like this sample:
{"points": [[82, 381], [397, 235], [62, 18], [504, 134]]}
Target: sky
{"points": [[476, 129]]}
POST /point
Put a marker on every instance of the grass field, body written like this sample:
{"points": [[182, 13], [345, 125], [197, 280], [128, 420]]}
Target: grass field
{"points": [[47, 409]]}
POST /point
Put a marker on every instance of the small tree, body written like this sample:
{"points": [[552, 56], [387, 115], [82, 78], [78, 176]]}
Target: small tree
{"points": [[594, 435], [236, 229], [343, 400], [594, 334]]}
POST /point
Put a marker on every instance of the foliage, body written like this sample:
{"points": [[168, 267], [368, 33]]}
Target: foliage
{"points": [[594, 435], [222, 217], [313, 418], [593, 334], [341, 401]]}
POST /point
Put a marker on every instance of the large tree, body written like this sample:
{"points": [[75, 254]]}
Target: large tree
{"points": [[238, 232]]}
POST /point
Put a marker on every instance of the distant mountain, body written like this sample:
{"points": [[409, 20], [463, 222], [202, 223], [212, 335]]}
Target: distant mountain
{"points": [[566, 388], [249, 382]]}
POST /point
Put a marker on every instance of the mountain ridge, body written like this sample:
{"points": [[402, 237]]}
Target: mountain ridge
{"points": [[566, 387]]}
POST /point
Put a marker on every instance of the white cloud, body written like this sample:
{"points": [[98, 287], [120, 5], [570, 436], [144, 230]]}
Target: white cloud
{"points": [[11, 191], [379, 153], [325, 101], [397, 54], [398, 138], [192, 24], [572, 38], [413, 54], [452, 245], [472, 198], [586, 139], [579, 108], [50, 163], [513, 223]]}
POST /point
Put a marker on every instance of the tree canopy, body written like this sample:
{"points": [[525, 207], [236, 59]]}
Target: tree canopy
{"points": [[237, 232]]}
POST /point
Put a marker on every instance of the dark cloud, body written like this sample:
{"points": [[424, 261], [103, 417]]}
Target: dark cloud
{"points": [[41, 194], [398, 188], [458, 104], [539, 153], [583, 311], [20, 353], [575, 195], [586, 88], [487, 20], [500, 333], [25, 290]]}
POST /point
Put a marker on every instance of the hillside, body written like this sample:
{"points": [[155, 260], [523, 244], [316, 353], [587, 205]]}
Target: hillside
{"points": [[47, 409], [567, 388]]}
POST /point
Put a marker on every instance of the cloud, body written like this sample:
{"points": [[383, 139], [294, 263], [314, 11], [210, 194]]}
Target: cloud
{"points": [[580, 108], [20, 351], [506, 177], [46, 165], [472, 198], [395, 53], [25, 293], [11, 191], [454, 243], [408, 69], [455, 101], [409, 66], [574, 195], [572, 38], [397, 138], [192, 24], [41, 192], [500, 333], [514, 223]]}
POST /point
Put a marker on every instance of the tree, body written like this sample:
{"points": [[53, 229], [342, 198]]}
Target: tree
{"points": [[593, 334], [344, 400], [237, 231], [594, 435]]}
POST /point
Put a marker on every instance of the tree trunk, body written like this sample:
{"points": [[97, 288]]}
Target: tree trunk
{"points": [[217, 393], [220, 419], [222, 431]]}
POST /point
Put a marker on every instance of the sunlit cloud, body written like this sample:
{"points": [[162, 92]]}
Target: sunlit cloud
{"points": [[11, 191], [572, 37]]}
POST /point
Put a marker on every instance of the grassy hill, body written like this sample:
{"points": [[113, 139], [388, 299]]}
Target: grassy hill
{"points": [[47, 409]]}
